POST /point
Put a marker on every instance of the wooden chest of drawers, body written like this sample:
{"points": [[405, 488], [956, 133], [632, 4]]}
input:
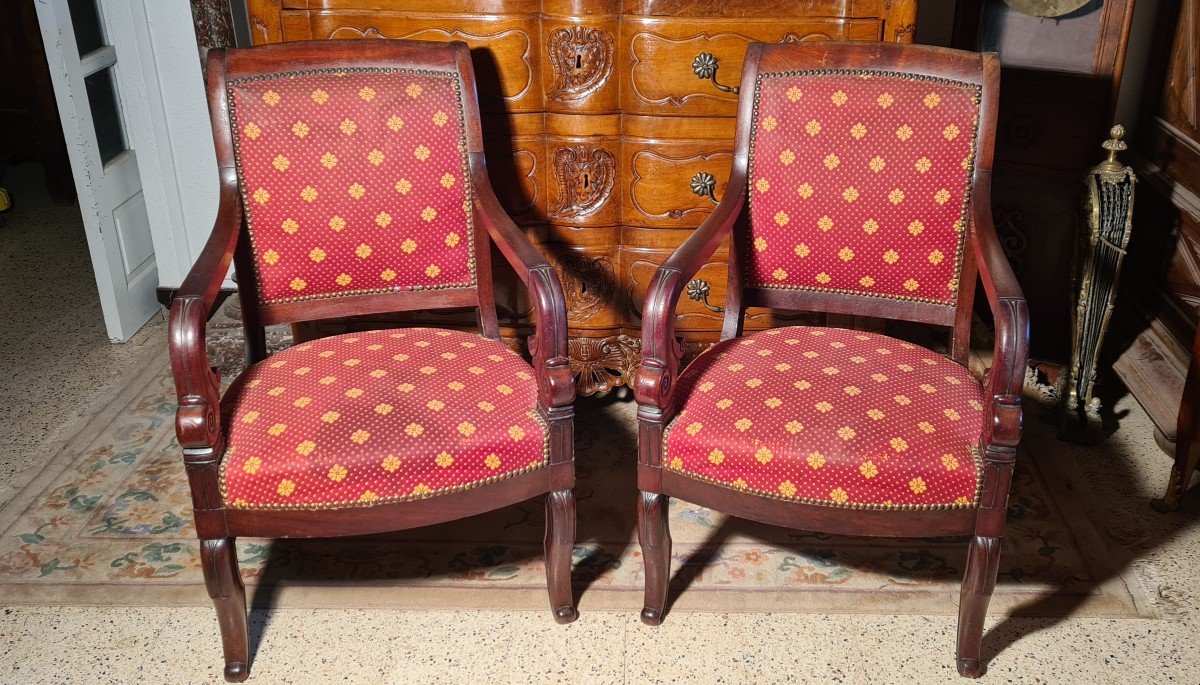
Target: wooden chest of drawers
{"points": [[609, 129]]}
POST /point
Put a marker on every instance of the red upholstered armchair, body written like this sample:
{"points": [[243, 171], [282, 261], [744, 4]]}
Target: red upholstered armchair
{"points": [[859, 187], [353, 182]]}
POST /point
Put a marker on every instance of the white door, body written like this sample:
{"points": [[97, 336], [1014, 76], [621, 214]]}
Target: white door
{"points": [[87, 80]]}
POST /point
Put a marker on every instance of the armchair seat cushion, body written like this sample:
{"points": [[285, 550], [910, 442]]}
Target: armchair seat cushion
{"points": [[380, 416], [831, 417]]}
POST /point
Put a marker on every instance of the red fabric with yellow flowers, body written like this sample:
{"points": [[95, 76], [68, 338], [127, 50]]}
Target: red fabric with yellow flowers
{"points": [[365, 418], [832, 417], [858, 183], [354, 181]]}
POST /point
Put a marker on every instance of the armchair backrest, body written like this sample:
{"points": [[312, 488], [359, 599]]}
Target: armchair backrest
{"points": [[354, 163], [860, 164]]}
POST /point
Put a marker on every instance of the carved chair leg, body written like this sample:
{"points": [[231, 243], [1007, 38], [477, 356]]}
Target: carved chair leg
{"points": [[560, 541], [654, 535], [983, 564], [219, 561], [1187, 454]]}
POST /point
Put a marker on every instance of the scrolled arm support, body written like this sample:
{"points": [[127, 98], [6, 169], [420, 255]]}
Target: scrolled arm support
{"points": [[548, 345]]}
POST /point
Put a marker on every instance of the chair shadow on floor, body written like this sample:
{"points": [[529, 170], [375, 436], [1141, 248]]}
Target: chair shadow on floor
{"points": [[606, 446]]}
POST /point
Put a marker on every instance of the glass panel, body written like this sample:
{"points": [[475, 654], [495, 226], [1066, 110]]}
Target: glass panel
{"points": [[106, 117], [85, 19]]}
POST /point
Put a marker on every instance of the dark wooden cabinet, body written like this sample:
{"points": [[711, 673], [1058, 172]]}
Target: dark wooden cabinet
{"points": [[596, 124]]}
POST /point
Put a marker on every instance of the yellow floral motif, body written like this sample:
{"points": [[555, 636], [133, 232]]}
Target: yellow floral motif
{"points": [[942, 196], [356, 191], [866, 282], [391, 463], [395, 123], [769, 124], [290, 227], [406, 387], [762, 185], [736, 367], [839, 98], [330, 417], [428, 370], [298, 284], [363, 251], [271, 257], [261, 196], [793, 427], [317, 255], [846, 433], [753, 382], [839, 495], [831, 161], [309, 194], [337, 223], [794, 93], [302, 402], [891, 256], [475, 370], [300, 129], [421, 153], [504, 390], [414, 430], [435, 405], [452, 240], [905, 367], [368, 496], [329, 160], [823, 407], [421, 488], [802, 250], [429, 214], [444, 460], [337, 473], [904, 132], [902, 400], [360, 436], [815, 460], [375, 157], [870, 226], [781, 218], [779, 275], [787, 157], [433, 270], [447, 181], [850, 194], [694, 428], [516, 433], [805, 191], [813, 127], [306, 448], [825, 223], [911, 284], [896, 196], [857, 131], [852, 390], [740, 484], [885, 100], [716, 456], [764, 456], [408, 246], [252, 465], [440, 119], [932, 100], [413, 90], [367, 93], [917, 485], [898, 444], [926, 427], [876, 164], [320, 97], [281, 163], [823, 278], [348, 127], [250, 417], [949, 462], [923, 164], [706, 386], [950, 132], [724, 404], [675, 463], [936, 257], [868, 469], [875, 414], [760, 244], [845, 254], [286, 487], [743, 424], [787, 488], [951, 414], [959, 226], [252, 131], [492, 461], [404, 186], [343, 280]]}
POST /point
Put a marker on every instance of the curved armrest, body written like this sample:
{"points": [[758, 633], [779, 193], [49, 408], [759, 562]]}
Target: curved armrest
{"points": [[1006, 378], [655, 380], [197, 421], [551, 359]]}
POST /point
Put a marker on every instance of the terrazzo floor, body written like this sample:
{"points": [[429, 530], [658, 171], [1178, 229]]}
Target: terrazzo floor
{"points": [[57, 364]]}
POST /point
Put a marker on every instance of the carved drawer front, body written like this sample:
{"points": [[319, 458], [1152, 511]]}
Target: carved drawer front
{"points": [[579, 64], [701, 306], [692, 67], [505, 48], [672, 185], [517, 170], [589, 280], [582, 181]]}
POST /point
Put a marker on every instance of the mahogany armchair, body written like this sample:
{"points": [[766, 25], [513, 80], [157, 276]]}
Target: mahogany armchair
{"points": [[353, 182], [859, 187]]}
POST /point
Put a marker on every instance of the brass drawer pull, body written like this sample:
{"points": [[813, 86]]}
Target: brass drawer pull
{"points": [[698, 290], [705, 185], [705, 67]]}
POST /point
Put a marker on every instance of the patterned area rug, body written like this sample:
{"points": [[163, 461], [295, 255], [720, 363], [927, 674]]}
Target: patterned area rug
{"points": [[109, 522]]}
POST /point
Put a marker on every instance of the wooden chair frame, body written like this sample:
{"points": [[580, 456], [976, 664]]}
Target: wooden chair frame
{"points": [[661, 352], [198, 421]]}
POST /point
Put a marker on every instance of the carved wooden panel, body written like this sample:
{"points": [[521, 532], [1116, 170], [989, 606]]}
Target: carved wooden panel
{"points": [[659, 181], [582, 179], [581, 60]]}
